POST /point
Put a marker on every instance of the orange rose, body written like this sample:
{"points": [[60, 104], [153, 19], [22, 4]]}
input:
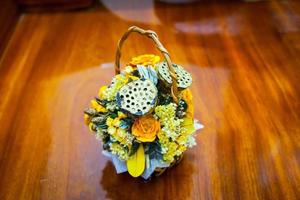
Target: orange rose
{"points": [[145, 128], [146, 59]]}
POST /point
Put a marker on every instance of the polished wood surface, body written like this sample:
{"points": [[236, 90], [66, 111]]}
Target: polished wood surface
{"points": [[245, 61], [9, 14], [53, 5]]}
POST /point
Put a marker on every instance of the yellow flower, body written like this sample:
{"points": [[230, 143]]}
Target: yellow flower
{"points": [[121, 115], [112, 130], [109, 121], [101, 92], [134, 78], [125, 79], [120, 78], [188, 125], [97, 106], [145, 128], [128, 69], [91, 127], [181, 148], [146, 59], [119, 134], [116, 122], [181, 139], [87, 119], [188, 97]]}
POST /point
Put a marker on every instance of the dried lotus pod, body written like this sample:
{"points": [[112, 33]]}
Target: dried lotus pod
{"points": [[137, 97], [184, 79]]}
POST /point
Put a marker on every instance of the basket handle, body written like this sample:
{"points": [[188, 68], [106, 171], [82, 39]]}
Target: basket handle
{"points": [[152, 35]]}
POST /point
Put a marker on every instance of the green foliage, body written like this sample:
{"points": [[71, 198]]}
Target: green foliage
{"points": [[181, 108], [113, 115], [106, 141], [126, 123], [134, 148], [101, 102], [164, 99], [153, 149]]}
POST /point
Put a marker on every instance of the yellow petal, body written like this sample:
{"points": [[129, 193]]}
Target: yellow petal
{"points": [[87, 119], [120, 77], [156, 59], [188, 97], [91, 127], [101, 91], [145, 139], [97, 106], [134, 78], [146, 59], [188, 123], [116, 122], [109, 121], [121, 115], [136, 163], [111, 130]]}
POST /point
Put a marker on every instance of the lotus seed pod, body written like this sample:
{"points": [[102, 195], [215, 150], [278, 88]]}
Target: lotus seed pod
{"points": [[184, 79], [137, 97]]}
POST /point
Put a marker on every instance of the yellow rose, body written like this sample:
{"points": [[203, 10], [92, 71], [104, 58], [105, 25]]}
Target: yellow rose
{"points": [[188, 98], [146, 59], [145, 128]]}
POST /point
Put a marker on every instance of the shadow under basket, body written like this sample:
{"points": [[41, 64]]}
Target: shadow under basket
{"points": [[159, 171]]}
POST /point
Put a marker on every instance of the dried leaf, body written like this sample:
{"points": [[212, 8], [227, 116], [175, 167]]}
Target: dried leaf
{"points": [[136, 163]]}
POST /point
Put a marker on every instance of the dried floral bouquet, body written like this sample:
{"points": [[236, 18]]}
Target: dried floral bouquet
{"points": [[145, 117]]}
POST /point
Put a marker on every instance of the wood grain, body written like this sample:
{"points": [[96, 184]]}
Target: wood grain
{"points": [[9, 14], [53, 5], [245, 61]]}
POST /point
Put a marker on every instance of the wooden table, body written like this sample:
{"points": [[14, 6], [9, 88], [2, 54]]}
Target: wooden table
{"points": [[245, 60]]}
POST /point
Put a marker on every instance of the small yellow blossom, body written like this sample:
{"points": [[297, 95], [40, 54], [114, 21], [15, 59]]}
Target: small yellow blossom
{"points": [[119, 150], [175, 134], [109, 121], [181, 148], [119, 134]]}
